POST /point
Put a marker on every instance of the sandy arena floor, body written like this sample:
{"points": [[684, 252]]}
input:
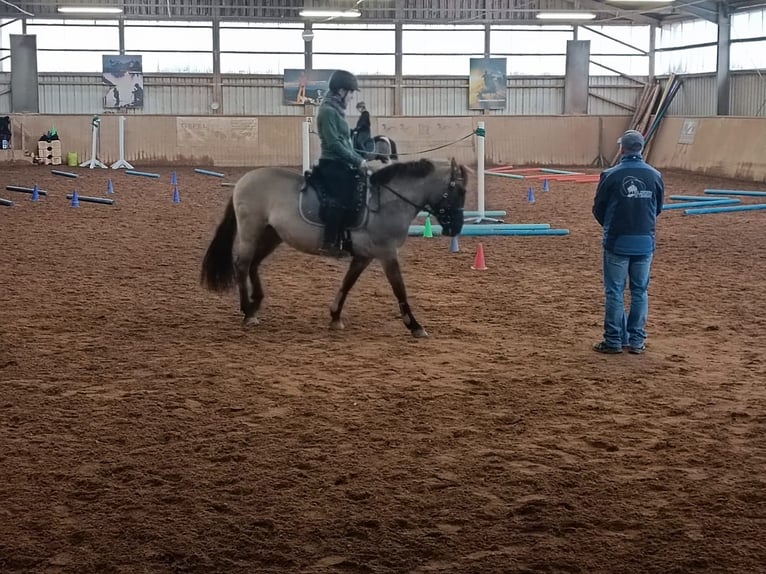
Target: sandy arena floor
{"points": [[143, 430]]}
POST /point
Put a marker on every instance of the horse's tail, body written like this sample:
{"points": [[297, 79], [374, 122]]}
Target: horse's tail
{"points": [[218, 265], [393, 149]]}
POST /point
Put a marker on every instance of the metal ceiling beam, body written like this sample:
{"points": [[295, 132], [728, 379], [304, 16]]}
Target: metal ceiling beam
{"points": [[603, 7], [704, 9]]}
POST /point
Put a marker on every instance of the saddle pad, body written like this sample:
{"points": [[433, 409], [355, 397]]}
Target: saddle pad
{"points": [[309, 208]]}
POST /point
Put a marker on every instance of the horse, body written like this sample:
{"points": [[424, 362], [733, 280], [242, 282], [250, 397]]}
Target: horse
{"points": [[383, 147], [271, 205]]}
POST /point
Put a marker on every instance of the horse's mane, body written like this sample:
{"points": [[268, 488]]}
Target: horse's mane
{"points": [[418, 169]]}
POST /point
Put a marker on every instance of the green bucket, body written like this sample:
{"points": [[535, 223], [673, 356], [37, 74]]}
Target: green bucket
{"points": [[71, 159]]}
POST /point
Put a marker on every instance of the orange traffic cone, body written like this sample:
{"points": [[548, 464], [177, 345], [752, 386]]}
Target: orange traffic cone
{"points": [[478, 262]]}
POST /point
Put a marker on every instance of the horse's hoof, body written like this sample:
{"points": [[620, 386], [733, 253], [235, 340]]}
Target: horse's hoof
{"points": [[251, 321], [420, 333], [337, 325]]}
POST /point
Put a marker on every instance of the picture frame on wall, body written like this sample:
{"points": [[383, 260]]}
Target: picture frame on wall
{"points": [[487, 84], [301, 87], [124, 77]]}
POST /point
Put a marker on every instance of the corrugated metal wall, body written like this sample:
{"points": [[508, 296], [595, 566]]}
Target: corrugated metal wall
{"points": [[748, 95], [607, 92], [191, 95], [5, 94], [697, 97]]}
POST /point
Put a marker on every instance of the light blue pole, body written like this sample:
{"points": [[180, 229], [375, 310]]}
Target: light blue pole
{"points": [[141, 173], [208, 172], [692, 198], [560, 171], [735, 192], [417, 230], [510, 175], [437, 229], [703, 210], [473, 213], [700, 203]]}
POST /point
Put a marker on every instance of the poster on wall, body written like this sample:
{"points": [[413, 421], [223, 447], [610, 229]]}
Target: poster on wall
{"points": [[303, 88], [124, 77], [487, 84]]}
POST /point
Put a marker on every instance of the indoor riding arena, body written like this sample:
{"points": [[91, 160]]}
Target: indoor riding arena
{"points": [[147, 428]]}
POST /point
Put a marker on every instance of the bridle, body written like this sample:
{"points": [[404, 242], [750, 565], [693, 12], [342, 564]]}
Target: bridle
{"points": [[442, 210]]}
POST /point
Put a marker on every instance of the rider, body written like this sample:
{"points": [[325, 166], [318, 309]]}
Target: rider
{"points": [[363, 131], [338, 162]]}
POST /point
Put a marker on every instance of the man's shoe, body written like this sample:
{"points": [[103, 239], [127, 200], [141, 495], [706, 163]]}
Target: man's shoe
{"points": [[607, 350], [636, 350]]}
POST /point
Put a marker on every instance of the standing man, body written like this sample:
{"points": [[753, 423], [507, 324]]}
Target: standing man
{"points": [[628, 200]]}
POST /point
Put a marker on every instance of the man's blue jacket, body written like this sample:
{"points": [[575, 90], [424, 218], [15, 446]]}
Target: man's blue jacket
{"points": [[628, 200]]}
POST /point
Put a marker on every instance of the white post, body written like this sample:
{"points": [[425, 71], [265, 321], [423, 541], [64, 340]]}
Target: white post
{"points": [[94, 145], [481, 215], [121, 162], [480, 168], [306, 140]]}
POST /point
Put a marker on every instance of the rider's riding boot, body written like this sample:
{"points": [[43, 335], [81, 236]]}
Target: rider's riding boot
{"points": [[333, 237]]}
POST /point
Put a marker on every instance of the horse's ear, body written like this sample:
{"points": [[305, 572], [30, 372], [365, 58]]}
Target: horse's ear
{"points": [[454, 168]]}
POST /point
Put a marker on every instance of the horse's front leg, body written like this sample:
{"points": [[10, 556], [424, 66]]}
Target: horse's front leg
{"points": [[355, 269], [394, 275]]}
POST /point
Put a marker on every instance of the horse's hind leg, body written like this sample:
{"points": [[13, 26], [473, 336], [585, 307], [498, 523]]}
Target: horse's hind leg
{"points": [[249, 258], [394, 275], [355, 269]]}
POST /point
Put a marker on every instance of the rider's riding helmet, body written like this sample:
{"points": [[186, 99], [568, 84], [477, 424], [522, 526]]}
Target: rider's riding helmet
{"points": [[343, 80]]}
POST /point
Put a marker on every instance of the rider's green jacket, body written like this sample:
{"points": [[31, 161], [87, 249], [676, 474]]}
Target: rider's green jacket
{"points": [[335, 136]]}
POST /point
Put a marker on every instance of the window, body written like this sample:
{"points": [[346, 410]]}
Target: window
{"points": [[442, 40], [356, 63], [437, 65], [637, 36], [630, 65], [749, 24], [689, 61], [180, 47], [748, 55], [260, 63], [97, 36], [258, 48], [686, 33], [10, 27], [261, 39], [529, 40]]}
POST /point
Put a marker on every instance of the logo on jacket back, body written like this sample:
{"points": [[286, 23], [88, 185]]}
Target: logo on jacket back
{"points": [[634, 188]]}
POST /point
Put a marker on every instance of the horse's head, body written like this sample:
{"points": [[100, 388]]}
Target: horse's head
{"points": [[437, 186], [447, 202]]}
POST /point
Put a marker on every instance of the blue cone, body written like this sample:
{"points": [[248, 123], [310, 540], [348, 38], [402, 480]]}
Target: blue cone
{"points": [[75, 199], [173, 179], [110, 187], [531, 195], [36, 193], [454, 246], [176, 196], [546, 186]]}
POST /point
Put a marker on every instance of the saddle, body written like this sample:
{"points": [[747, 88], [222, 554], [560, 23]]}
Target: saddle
{"points": [[313, 200]]}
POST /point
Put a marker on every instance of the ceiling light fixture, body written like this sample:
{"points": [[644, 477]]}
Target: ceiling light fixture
{"points": [[90, 10], [330, 13], [565, 16]]}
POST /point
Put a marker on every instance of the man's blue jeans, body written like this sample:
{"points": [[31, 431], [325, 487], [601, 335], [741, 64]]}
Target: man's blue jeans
{"points": [[621, 328]]}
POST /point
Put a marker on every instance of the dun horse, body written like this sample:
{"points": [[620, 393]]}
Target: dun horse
{"points": [[385, 149], [270, 205]]}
